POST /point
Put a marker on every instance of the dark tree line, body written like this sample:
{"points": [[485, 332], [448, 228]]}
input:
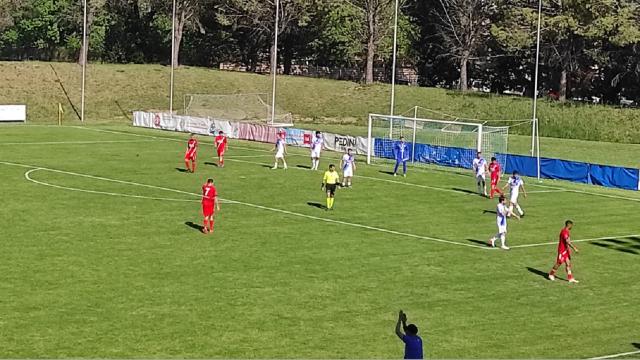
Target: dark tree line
{"points": [[589, 47]]}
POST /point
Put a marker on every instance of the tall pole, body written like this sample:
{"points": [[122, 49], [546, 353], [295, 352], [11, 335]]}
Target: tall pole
{"points": [[84, 58], [395, 55], [173, 57], [274, 64], [534, 127]]}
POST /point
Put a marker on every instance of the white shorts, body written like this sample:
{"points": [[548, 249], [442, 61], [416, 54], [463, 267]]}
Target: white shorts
{"points": [[280, 155], [514, 198], [480, 177], [347, 172], [502, 229], [315, 154]]}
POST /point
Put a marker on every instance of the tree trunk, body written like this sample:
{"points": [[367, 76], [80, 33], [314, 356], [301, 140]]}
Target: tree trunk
{"points": [[463, 72], [84, 53], [371, 53], [287, 60], [563, 86], [178, 39], [273, 61]]}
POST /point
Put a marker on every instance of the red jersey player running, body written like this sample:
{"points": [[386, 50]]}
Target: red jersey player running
{"points": [[564, 252], [221, 147], [190, 155], [209, 201], [496, 173]]}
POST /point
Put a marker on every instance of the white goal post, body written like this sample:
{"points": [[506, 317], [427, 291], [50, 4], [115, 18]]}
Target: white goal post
{"points": [[452, 143]]}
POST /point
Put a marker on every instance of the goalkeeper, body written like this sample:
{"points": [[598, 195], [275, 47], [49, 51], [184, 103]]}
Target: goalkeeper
{"points": [[401, 154]]}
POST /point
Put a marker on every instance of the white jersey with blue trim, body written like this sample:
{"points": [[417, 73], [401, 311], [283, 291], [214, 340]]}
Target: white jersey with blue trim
{"points": [[480, 164], [316, 144], [514, 184], [347, 162], [501, 215]]}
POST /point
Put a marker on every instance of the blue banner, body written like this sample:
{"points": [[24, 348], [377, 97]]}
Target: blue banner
{"points": [[580, 172]]}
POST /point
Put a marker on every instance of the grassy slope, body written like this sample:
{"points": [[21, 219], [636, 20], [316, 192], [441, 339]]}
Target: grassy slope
{"points": [[113, 91], [87, 275]]}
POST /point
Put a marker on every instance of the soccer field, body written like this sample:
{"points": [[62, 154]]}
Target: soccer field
{"points": [[101, 256]]}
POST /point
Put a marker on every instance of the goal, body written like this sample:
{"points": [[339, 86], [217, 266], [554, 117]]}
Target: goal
{"points": [[235, 107], [443, 142]]}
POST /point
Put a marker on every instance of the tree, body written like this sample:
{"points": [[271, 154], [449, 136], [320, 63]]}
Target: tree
{"points": [[93, 7], [463, 27], [572, 32], [258, 16]]}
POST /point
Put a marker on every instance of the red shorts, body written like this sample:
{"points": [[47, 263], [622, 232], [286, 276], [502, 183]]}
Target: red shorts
{"points": [[220, 153], [191, 157], [563, 257], [207, 209], [494, 182]]}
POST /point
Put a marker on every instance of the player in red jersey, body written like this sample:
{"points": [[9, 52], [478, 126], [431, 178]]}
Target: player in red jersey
{"points": [[564, 252], [209, 205], [496, 173], [190, 154], [221, 147]]}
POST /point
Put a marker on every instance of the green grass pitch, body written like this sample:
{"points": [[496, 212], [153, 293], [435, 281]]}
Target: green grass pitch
{"points": [[98, 257]]}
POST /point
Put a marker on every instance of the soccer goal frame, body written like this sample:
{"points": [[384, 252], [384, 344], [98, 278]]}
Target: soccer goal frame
{"points": [[249, 107], [473, 135]]}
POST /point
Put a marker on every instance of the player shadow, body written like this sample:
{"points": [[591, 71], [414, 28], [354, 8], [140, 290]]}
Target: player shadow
{"points": [[316, 205], [386, 172], [210, 163], [466, 191], [193, 225], [181, 170], [628, 246], [304, 167], [637, 345], [479, 242], [540, 273], [489, 212]]}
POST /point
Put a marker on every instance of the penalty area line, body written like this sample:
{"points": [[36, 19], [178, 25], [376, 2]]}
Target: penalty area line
{"points": [[579, 240], [281, 211], [613, 356]]}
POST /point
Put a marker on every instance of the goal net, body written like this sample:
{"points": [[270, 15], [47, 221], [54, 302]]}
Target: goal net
{"points": [[235, 107], [450, 143]]}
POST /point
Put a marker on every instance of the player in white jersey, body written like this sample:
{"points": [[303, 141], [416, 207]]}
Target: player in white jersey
{"points": [[348, 165], [317, 144], [502, 212], [480, 169], [515, 183], [281, 151]]}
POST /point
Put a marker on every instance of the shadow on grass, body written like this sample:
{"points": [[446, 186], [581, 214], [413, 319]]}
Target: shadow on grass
{"points": [[304, 167], [466, 191], [629, 245], [479, 242], [637, 345], [489, 212], [386, 172], [210, 163], [193, 225], [316, 205], [540, 273], [182, 170]]}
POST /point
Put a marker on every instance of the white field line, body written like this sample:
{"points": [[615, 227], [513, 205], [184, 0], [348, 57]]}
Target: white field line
{"points": [[75, 142], [613, 356], [369, 178], [546, 191], [456, 173], [393, 232], [27, 175], [579, 240]]}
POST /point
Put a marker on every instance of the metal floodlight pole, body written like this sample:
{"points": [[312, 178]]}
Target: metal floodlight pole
{"points": [[274, 64], [173, 57], [395, 57], [534, 127], [84, 59]]}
